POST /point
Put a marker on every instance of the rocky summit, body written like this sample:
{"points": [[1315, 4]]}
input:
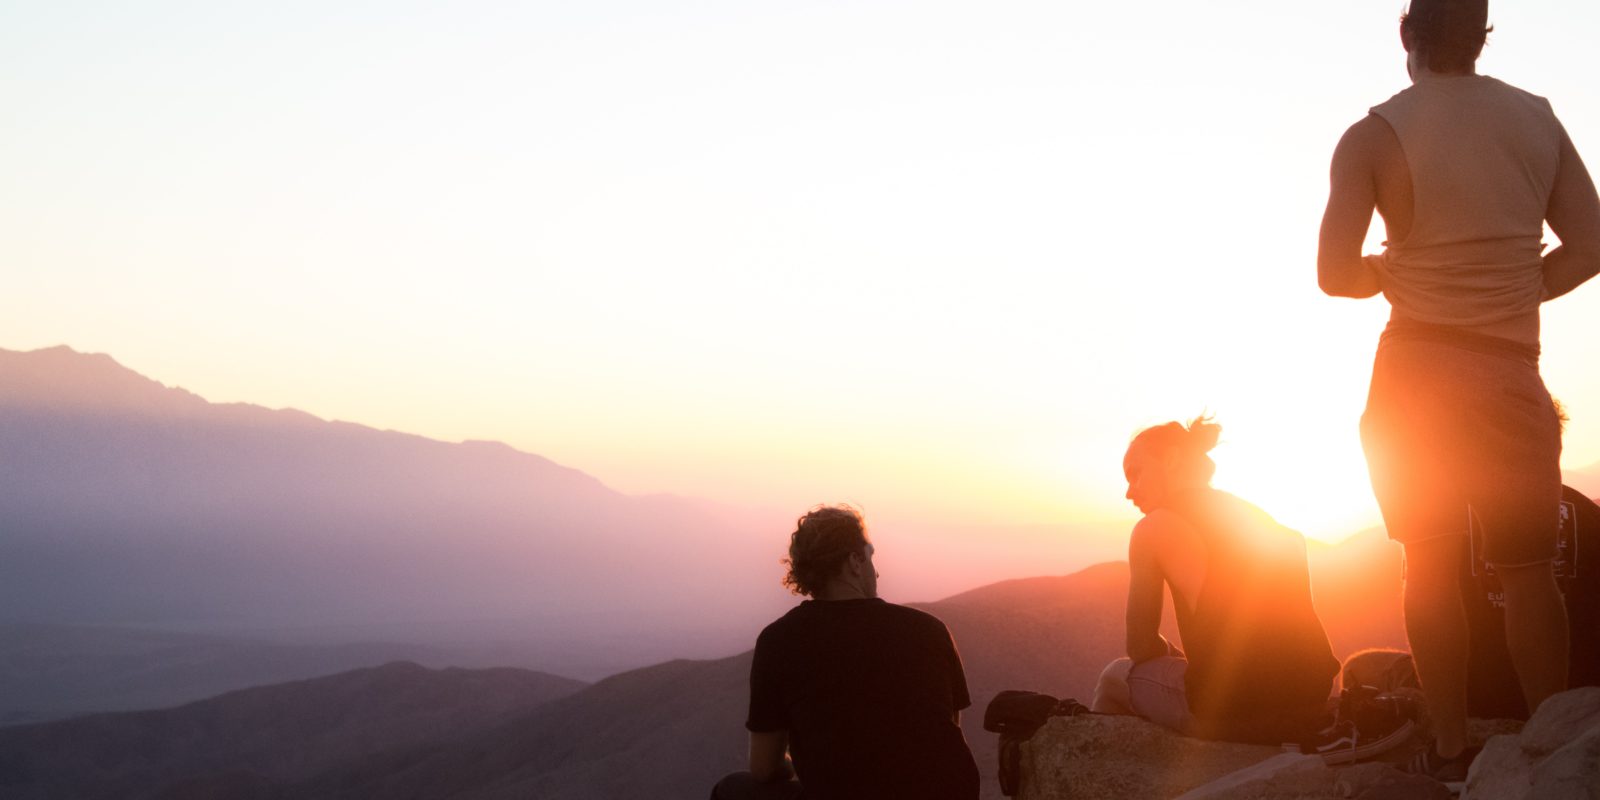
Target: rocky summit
{"points": [[1555, 756]]}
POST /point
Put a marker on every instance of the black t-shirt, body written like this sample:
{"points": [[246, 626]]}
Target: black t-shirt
{"points": [[868, 691], [1492, 686]]}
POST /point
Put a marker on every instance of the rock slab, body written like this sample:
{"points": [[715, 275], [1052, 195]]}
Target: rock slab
{"points": [[1095, 756], [1555, 757]]}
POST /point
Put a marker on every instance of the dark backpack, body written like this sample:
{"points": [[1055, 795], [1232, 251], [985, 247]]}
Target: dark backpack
{"points": [[1016, 716]]}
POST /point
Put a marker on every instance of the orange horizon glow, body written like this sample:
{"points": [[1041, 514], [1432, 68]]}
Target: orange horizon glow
{"points": [[941, 262]]}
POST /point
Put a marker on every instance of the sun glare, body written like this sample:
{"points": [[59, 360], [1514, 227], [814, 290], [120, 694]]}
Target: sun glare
{"points": [[1326, 499]]}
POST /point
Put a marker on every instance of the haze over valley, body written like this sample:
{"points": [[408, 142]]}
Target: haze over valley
{"points": [[159, 548], [447, 620]]}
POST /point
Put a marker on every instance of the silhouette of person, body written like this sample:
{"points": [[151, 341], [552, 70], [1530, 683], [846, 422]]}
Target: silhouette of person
{"points": [[1255, 665], [1464, 170], [864, 695], [1491, 674]]}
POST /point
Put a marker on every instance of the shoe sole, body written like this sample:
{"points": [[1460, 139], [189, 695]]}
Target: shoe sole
{"points": [[1375, 747]]}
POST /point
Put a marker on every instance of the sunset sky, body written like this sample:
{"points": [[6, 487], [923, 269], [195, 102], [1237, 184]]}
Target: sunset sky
{"points": [[937, 258]]}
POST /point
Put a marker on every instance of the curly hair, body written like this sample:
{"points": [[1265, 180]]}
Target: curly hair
{"points": [[823, 539], [1448, 34], [1191, 442]]}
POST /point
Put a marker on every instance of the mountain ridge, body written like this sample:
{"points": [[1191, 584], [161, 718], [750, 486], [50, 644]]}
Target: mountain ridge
{"points": [[132, 504], [265, 735], [672, 728]]}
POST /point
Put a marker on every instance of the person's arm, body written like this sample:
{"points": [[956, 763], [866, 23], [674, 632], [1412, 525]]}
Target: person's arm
{"points": [[1574, 216], [769, 756], [1144, 639], [956, 673], [1352, 197], [769, 722]]}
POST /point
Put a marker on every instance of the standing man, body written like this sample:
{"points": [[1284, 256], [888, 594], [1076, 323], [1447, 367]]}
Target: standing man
{"points": [[1465, 171], [864, 695]]}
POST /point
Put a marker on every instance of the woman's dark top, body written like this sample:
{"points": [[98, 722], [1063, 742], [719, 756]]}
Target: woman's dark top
{"points": [[1260, 667]]}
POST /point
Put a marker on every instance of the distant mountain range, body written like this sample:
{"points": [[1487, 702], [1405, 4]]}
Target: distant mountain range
{"points": [[127, 503], [158, 548], [668, 730], [138, 522], [247, 742], [52, 671]]}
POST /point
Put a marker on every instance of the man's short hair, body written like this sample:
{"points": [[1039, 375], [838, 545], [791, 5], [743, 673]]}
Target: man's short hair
{"points": [[1448, 34], [822, 540]]}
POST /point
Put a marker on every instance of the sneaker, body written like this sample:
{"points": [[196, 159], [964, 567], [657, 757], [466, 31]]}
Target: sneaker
{"points": [[1452, 772], [1343, 742], [1367, 725]]}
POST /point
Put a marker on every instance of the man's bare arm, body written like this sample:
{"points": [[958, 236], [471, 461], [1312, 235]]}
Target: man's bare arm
{"points": [[1352, 197], [769, 756], [1144, 638], [1574, 215]]}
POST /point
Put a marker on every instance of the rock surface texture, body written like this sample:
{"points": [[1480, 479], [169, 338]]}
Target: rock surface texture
{"points": [[1104, 756], [1557, 755], [1131, 759]]}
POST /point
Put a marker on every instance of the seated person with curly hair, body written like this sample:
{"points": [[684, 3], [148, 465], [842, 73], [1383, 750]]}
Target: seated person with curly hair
{"points": [[865, 696]]}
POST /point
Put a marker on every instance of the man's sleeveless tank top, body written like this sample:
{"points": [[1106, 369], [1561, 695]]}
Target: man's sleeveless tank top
{"points": [[1260, 666], [1483, 157]]}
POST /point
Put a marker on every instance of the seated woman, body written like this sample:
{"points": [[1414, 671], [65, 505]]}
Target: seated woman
{"points": [[1258, 667]]}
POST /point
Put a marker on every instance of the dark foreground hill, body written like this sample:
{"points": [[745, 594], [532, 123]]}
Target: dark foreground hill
{"points": [[663, 731], [248, 742], [654, 732], [672, 730], [54, 672]]}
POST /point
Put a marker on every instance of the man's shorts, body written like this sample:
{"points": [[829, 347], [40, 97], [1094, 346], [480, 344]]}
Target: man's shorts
{"points": [[1453, 421]]}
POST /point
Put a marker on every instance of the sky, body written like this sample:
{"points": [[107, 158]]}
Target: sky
{"points": [[940, 259]]}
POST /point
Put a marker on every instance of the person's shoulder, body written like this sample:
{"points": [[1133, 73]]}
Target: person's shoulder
{"points": [[1499, 85], [1585, 512], [1582, 501], [911, 616], [1396, 102], [1162, 521], [1538, 105], [1237, 504], [1161, 525], [1367, 135], [776, 628]]}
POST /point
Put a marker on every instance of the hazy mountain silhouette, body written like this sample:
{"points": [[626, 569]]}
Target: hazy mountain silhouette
{"points": [[53, 671], [245, 742], [128, 503], [672, 730], [125, 502], [662, 731]]}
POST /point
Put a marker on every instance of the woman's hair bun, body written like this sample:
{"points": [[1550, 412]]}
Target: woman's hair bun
{"points": [[1204, 434]]}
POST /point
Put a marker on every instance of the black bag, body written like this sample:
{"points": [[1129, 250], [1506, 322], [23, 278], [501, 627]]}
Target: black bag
{"points": [[1017, 716]]}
